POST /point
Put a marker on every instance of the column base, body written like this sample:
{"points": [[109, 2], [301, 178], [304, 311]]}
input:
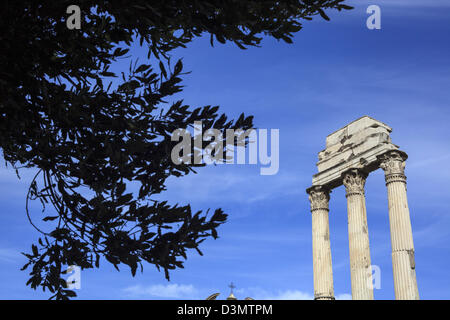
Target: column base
{"points": [[324, 298]]}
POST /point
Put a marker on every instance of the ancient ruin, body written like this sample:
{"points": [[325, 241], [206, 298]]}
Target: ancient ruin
{"points": [[351, 153]]}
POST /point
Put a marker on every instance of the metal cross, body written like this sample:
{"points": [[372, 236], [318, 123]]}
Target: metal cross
{"points": [[231, 286]]}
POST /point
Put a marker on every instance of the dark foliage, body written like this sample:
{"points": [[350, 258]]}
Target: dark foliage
{"points": [[89, 140]]}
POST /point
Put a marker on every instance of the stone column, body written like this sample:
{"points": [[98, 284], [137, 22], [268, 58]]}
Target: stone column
{"points": [[323, 272], [358, 235], [403, 263]]}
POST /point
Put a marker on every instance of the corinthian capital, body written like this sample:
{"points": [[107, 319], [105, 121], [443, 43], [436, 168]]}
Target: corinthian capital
{"points": [[319, 197], [393, 162], [354, 181]]}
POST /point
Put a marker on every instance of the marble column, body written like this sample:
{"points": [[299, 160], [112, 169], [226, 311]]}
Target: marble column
{"points": [[403, 263], [358, 235], [323, 272]]}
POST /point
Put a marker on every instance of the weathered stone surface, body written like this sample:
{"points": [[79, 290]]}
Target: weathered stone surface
{"points": [[323, 270], [358, 235], [351, 153], [356, 145], [403, 263]]}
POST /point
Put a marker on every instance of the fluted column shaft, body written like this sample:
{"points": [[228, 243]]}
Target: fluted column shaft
{"points": [[403, 262], [323, 272], [358, 235]]}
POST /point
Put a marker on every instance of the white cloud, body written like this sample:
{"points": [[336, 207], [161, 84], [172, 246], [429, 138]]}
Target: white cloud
{"points": [[300, 295], [175, 291], [344, 296], [292, 295], [182, 291], [262, 294], [258, 293]]}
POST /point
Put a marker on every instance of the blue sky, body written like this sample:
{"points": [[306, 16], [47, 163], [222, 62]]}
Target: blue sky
{"points": [[334, 73]]}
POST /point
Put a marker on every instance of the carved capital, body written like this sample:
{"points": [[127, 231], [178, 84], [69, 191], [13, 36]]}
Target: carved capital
{"points": [[354, 181], [393, 164], [319, 197]]}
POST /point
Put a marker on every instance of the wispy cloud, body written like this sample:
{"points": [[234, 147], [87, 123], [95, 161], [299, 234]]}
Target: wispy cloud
{"points": [[169, 291], [344, 296], [182, 291], [9, 255], [426, 162], [433, 234], [289, 294], [235, 185]]}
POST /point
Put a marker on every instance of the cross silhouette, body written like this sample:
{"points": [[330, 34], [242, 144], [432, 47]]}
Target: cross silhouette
{"points": [[231, 286]]}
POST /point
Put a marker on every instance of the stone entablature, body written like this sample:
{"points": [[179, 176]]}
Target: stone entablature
{"points": [[356, 146]]}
